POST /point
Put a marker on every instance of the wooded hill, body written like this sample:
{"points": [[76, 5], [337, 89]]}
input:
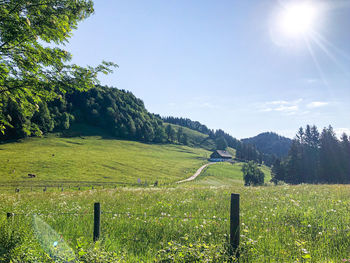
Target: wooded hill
{"points": [[120, 115], [270, 143], [118, 112]]}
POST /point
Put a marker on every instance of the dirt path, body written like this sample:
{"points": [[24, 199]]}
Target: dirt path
{"points": [[195, 175]]}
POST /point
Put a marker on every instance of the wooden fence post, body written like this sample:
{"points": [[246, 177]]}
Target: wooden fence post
{"points": [[97, 221], [234, 225]]}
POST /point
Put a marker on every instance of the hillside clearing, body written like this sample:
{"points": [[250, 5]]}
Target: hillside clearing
{"points": [[92, 158]]}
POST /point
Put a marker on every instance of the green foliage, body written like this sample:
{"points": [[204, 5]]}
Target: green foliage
{"points": [[179, 135], [315, 158], [170, 132], [221, 143], [31, 72], [252, 175], [193, 252], [118, 112]]}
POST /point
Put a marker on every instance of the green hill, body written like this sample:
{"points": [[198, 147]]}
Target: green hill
{"points": [[270, 143], [196, 138], [93, 158]]}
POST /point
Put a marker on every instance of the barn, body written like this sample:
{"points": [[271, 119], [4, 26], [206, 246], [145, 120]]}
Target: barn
{"points": [[220, 156]]}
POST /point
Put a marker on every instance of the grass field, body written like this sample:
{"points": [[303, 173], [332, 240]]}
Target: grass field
{"points": [[226, 174], [173, 223], [279, 224], [97, 159]]}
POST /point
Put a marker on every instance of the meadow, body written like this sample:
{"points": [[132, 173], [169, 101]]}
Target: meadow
{"points": [[95, 159], [306, 223], [170, 223]]}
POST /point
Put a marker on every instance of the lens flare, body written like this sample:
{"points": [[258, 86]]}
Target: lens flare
{"points": [[51, 242]]}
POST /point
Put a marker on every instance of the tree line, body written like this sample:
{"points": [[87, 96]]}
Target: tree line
{"points": [[118, 112], [244, 151], [315, 157]]}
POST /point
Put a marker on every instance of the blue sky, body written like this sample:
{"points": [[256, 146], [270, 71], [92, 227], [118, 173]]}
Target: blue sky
{"points": [[221, 62]]}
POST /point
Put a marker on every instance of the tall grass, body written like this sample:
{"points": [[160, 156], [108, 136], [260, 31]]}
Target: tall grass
{"points": [[304, 223]]}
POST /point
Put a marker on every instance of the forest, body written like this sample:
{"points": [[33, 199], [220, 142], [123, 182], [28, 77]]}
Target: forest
{"points": [[314, 158]]}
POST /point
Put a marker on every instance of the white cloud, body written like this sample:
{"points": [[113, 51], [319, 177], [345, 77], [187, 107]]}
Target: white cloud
{"points": [[282, 106], [312, 80], [317, 104]]}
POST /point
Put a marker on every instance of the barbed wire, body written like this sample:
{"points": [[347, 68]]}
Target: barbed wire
{"points": [[164, 215], [271, 224], [49, 213]]}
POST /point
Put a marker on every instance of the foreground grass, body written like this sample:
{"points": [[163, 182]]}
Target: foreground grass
{"points": [[96, 159], [306, 223]]}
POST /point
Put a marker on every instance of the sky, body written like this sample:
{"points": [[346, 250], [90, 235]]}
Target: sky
{"points": [[226, 63]]}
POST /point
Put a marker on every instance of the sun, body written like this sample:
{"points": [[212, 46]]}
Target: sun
{"points": [[297, 19]]}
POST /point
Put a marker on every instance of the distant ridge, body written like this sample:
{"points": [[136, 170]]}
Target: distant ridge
{"points": [[270, 143]]}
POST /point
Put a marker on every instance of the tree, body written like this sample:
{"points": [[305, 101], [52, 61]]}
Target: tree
{"points": [[221, 143], [345, 156], [31, 72], [179, 134], [277, 172], [170, 132], [330, 149], [185, 139], [252, 175]]}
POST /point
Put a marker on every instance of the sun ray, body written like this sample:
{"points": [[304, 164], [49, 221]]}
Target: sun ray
{"points": [[317, 64], [321, 45], [331, 45]]}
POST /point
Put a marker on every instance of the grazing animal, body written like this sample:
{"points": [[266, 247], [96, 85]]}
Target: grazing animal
{"points": [[156, 183], [31, 175], [44, 190], [17, 190]]}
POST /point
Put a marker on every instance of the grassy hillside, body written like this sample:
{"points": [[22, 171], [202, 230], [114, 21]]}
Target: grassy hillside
{"points": [[92, 158], [226, 174], [196, 138]]}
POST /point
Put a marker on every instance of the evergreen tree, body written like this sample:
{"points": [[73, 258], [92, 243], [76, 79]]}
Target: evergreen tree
{"points": [[330, 169], [221, 143], [179, 134], [277, 172]]}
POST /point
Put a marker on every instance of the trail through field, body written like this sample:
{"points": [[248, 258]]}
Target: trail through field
{"points": [[195, 175]]}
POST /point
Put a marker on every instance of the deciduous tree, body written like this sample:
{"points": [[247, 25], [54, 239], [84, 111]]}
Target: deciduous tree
{"points": [[31, 69]]}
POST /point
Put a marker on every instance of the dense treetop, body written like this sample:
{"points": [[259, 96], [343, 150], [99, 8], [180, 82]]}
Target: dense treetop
{"points": [[315, 157], [31, 70]]}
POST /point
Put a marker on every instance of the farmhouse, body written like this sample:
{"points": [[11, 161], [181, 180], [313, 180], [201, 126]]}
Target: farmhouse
{"points": [[220, 156]]}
